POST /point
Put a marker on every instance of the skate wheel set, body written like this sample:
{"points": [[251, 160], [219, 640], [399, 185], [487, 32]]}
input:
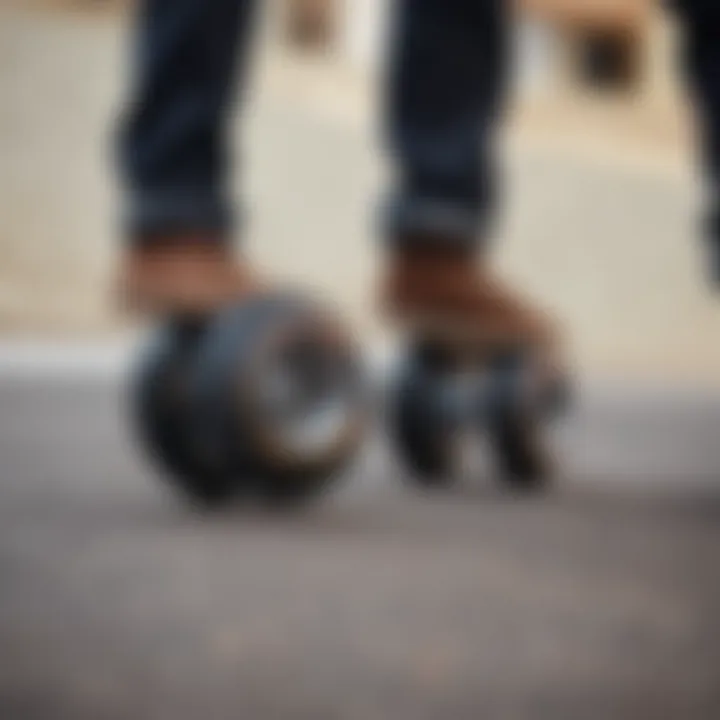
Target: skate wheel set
{"points": [[443, 395], [269, 399], [265, 398]]}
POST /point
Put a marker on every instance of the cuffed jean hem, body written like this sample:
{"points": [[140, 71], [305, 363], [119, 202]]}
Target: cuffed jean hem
{"points": [[431, 221], [712, 240], [713, 260], [182, 213]]}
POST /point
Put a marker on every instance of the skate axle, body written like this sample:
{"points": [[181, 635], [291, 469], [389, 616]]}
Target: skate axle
{"points": [[473, 399]]}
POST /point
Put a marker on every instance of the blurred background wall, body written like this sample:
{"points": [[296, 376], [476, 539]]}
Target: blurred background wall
{"points": [[602, 204]]}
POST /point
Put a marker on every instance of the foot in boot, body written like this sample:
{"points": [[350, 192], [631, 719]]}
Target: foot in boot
{"points": [[183, 276], [443, 292]]}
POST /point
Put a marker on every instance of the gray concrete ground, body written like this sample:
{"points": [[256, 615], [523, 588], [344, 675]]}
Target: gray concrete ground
{"points": [[597, 600]]}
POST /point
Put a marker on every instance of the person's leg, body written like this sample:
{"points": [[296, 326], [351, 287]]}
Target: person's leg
{"points": [[701, 27], [445, 91], [445, 94], [173, 149]]}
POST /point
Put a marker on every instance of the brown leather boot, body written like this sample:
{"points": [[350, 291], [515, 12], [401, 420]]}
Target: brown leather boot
{"points": [[183, 276], [442, 293]]}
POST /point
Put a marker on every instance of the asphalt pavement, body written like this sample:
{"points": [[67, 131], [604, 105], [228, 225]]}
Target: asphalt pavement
{"points": [[598, 599]]}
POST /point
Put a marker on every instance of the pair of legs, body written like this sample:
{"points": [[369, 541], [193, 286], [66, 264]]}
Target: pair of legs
{"points": [[444, 94]]}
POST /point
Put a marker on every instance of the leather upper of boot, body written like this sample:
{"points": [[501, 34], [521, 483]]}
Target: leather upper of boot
{"points": [[447, 284], [183, 276]]}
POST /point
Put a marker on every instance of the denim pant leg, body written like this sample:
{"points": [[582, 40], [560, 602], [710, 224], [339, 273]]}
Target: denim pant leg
{"points": [[173, 150], [445, 89], [701, 28]]}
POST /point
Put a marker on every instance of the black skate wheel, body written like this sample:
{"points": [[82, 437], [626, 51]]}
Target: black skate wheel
{"points": [[278, 393], [160, 405], [517, 425], [421, 430]]}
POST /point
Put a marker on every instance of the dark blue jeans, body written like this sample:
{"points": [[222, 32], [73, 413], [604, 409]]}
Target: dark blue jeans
{"points": [[444, 91], [701, 20]]}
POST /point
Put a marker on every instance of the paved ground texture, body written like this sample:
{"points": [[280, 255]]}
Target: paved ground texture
{"points": [[599, 600]]}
